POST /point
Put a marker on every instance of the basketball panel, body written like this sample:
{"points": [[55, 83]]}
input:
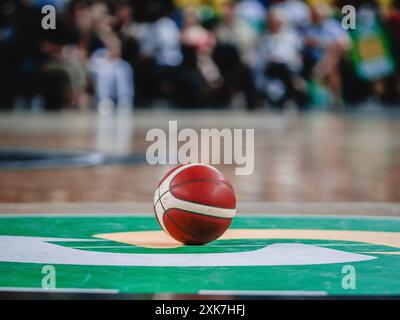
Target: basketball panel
{"points": [[208, 193], [198, 172], [194, 228]]}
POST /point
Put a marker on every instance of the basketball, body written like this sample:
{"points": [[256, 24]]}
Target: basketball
{"points": [[194, 203]]}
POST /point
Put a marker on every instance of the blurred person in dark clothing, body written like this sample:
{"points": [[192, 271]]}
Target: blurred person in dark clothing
{"points": [[43, 74], [199, 43], [9, 57], [159, 54], [234, 31], [234, 55], [62, 78], [280, 62], [20, 57], [203, 41], [392, 21], [391, 18]]}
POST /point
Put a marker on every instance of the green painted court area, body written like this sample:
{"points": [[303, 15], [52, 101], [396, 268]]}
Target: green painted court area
{"points": [[332, 255]]}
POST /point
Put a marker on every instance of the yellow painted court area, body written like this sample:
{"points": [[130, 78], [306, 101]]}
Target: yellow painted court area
{"points": [[159, 239]]}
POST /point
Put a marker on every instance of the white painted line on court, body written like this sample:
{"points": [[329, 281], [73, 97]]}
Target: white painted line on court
{"points": [[229, 246], [41, 250], [73, 215], [102, 247], [57, 290], [262, 293]]}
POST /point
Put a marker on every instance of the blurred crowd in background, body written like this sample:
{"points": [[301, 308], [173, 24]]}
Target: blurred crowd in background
{"points": [[199, 54]]}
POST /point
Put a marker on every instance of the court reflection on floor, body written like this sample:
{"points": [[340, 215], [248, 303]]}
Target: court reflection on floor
{"points": [[311, 157]]}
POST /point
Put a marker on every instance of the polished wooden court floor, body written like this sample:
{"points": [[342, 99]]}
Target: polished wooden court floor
{"points": [[307, 163]]}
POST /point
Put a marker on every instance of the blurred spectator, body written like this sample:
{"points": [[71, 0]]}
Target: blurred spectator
{"points": [[161, 56], [326, 44], [253, 13], [62, 79], [203, 41], [112, 76], [58, 4], [236, 32], [234, 55], [280, 56], [296, 11], [161, 40], [392, 18]]}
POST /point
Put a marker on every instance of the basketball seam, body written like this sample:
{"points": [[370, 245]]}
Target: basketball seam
{"points": [[171, 176], [200, 180], [155, 210], [159, 199], [214, 206], [208, 205], [185, 167], [201, 214], [159, 196], [157, 214], [170, 173], [182, 229]]}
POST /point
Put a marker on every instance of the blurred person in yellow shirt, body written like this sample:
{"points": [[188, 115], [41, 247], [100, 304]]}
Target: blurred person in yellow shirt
{"points": [[217, 5]]}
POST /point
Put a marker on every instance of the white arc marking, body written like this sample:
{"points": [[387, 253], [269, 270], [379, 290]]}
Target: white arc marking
{"points": [[39, 250]]}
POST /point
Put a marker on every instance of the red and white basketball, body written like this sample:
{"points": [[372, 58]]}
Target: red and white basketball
{"points": [[194, 203]]}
